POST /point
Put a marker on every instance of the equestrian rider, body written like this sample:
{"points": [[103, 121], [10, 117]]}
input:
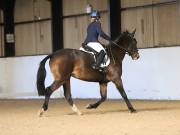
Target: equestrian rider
{"points": [[91, 42]]}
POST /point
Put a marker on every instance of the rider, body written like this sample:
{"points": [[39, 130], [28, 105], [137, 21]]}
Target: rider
{"points": [[91, 42]]}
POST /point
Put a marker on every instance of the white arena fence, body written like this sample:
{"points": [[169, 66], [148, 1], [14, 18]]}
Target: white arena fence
{"points": [[155, 76]]}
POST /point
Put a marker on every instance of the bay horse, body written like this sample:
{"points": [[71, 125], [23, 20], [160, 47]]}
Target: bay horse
{"points": [[71, 62]]}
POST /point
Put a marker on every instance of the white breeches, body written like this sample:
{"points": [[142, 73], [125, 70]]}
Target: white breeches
{"points": [[96, 46]]}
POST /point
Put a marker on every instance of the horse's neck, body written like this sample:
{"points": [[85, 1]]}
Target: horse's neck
{"points": [[118, 54]]}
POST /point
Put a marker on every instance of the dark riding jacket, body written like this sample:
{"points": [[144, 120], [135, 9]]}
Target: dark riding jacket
{"points": [[94, 30]]}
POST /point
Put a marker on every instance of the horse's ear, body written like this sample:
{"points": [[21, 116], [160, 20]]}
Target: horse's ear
{"points": [[133, 32]]}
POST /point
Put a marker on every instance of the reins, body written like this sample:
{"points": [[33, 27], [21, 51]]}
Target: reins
{"points": [[129, 52], [120, 47], [110, 50], [111, 54]]}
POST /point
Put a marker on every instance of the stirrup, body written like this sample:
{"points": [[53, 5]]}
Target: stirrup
{"points": [[94, 66], [100, 69]]}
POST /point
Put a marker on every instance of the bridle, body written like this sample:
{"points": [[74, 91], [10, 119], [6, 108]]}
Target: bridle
{"points": [[122, 48]]}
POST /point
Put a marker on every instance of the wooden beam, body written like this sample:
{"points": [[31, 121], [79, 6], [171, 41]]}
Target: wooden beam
{"points": [[115, 18], [9, 28], [57, 25], [2, 4], [150, 5]]}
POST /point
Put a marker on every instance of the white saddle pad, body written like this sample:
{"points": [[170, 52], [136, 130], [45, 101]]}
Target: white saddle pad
{"points": [[98, 47]]}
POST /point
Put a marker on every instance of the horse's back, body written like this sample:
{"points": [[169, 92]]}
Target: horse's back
{"points": [[67, 51]]}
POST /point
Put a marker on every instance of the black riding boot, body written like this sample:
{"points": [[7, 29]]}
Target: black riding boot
{"points": [[99, 59]]}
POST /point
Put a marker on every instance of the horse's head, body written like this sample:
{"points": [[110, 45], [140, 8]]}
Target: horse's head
{"points": [[129, 43]]}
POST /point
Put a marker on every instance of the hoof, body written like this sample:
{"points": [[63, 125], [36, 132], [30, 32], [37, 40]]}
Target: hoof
{"points": [[132, 110], [80, 113], [90, 106], [41, 112], [76, 110]]}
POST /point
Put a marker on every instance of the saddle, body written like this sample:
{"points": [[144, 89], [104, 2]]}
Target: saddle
{"points": [[94, 54]]}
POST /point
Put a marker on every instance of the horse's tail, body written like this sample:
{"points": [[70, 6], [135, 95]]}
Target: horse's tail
{"points": [[41, 75]]}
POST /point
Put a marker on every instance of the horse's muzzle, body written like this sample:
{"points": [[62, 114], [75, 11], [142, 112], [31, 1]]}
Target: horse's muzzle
{"points": [[135, 56]]}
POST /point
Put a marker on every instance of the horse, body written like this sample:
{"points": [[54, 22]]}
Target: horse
{"points": [[67, 63]]}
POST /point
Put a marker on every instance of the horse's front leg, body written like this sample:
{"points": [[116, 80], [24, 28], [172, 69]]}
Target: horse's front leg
{"points": [[103, 92], [119, 86], [67, 95]]}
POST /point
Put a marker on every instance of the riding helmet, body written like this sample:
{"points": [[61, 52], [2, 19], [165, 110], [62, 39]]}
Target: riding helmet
{"points": [[95, 14]]}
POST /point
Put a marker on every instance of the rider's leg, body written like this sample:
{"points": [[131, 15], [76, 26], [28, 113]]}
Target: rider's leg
{"points": [[99, 52], [99, 59], [88, 48]]}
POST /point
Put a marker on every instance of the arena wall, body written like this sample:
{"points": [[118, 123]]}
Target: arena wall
{"points": [[155, 75]]}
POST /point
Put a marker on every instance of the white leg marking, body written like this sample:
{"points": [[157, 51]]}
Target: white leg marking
{"points": [[75, 109], [40, 113]]}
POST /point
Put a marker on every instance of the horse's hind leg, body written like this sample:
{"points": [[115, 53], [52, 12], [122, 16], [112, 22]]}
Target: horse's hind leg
{"points": [[67, 95], [103, 92], [120, 88], [49, 90]]}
